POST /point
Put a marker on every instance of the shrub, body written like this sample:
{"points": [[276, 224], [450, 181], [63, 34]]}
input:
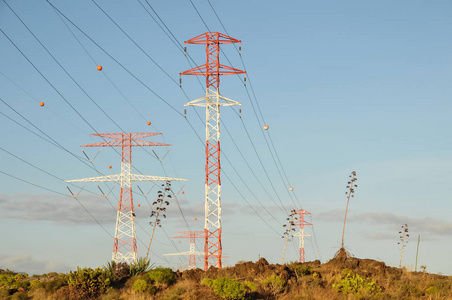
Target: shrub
{"points": [[303, 270], [88, 282], [56, 283], [355, 284], [431, 290], [275, 282], [174, 293], [228, 288], [14, 281], [251, 286], [140, 285], [35, 284], [207, 282], [161, 275]]}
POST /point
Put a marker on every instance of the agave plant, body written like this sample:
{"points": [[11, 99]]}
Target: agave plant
{"points": [[140, 266]]}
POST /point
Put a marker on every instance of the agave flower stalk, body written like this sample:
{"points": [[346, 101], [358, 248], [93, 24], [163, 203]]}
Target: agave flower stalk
{"points": [[160, 202], [350, 193]]}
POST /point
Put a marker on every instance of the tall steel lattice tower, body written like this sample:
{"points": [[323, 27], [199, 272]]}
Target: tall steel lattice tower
{"points": [[125, 243], [212, 70], [192, 235], [301, 234]]}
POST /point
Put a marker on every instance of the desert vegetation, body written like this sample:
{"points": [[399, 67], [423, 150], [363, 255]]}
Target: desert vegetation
{"points": [[339, 278]]}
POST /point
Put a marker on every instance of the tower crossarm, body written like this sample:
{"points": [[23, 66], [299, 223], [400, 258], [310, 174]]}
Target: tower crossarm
{"points": [[212, 97], [186, 253], [131, 139], [108, 178], [205, 69], [133, 177], [136, 177], [218, 37]]}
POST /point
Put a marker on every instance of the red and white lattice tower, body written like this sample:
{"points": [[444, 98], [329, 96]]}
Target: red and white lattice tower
{"points": [[212, 70], [125, 243], [301, 234], [192, 235]]}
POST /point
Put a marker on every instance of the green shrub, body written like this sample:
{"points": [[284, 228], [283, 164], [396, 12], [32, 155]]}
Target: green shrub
{"points": [[250, 286], [161, 275], [89, 282], [301, 270], [354, 284], [56, 283], [12, 281], [140, 285], [228, 288], [207, 282], [275, 282], [431, 290]]}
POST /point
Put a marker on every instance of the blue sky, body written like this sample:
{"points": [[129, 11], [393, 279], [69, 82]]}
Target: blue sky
{"points": [[343, 85]]}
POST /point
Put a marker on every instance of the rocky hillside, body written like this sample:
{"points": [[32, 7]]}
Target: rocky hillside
{"points": [[340, 278]]}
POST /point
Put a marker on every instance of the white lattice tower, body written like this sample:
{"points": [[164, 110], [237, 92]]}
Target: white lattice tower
{"points": [[192, 253], [212, 70], [301, 234], [125, 244]]}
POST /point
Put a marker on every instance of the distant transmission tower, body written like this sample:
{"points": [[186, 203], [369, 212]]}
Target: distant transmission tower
{"points": [[125, 243], [301, 223], [192, 235], [212, 70]]}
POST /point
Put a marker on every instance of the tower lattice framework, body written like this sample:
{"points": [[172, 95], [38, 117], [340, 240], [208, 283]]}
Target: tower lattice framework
{"points": [[212, 101], [125, 243], [300, 222], [192, 235]]}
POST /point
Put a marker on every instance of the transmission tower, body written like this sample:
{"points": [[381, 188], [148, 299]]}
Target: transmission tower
{"points": [[212, 70], [301, 234], [192, 235], [125, 243]]}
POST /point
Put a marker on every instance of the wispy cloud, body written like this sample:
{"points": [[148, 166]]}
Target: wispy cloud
{"points": [[60, 210], [26, 263]]}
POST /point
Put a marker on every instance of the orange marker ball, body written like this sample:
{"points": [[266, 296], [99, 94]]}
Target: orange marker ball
{"points": [[291, 188], [196, 219], [139, 204], [266, 127], [183, 192], [99, 68], [149, 122], [109, 167], [42, 104]]}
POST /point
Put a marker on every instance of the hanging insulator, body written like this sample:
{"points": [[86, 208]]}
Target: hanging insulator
{"points": [[240, 112], [180, 81], [185, 115], [244, 80], [185, 50], [240, 49]]}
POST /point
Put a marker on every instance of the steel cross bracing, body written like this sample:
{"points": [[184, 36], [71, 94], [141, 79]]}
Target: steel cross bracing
{"points": [[192, 253], [212, 70], [125, 243], [301, 234]]}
